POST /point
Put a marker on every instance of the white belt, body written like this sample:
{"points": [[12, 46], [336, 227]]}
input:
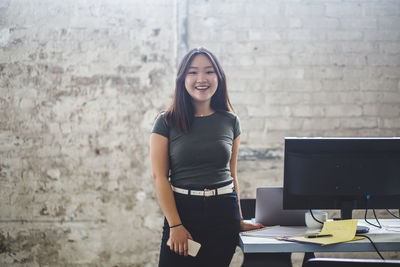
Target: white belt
{"points": [[206, 192]]}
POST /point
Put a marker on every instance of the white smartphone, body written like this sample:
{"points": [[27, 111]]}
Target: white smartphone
{"points": [[193, 247]]}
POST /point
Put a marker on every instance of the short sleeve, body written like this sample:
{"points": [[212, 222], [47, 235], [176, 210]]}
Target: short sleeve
{"points": [[160, 126], [237, 130]]}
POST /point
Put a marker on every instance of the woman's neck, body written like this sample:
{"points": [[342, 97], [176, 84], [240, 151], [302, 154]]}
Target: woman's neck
{"points": [[202, 109]]}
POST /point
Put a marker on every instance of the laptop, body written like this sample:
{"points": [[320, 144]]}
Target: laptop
{"points": [[269, 209]]}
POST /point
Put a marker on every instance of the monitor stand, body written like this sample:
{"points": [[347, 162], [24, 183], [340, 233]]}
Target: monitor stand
{"points": [[346, 213]]}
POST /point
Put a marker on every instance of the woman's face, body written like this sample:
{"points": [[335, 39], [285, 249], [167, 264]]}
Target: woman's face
{"points": [[201, 81]]}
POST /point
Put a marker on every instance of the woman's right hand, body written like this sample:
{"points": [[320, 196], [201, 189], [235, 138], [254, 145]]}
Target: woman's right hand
{"points": [[178, 240]]}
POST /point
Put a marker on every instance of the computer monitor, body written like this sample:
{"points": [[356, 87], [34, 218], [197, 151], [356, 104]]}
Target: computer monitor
{"points": [[341, 173]]}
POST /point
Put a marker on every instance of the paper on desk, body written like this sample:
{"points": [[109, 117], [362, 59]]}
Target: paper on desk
{"points": [[341, 231], [276, 231]]}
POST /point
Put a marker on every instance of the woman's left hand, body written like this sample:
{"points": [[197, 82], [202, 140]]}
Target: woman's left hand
{"points": [[246, 226]]}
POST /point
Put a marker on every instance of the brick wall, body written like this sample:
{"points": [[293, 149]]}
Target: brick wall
{"points": [[80, 83], [303, 68]]}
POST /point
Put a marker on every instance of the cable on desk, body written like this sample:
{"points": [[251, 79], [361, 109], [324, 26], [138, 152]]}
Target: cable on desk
{"points": [[373, 244], [370, 223], [394, 215], [365, 215], [312, 215]]}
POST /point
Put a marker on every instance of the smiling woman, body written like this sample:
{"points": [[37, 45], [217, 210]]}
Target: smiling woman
{"points": [[201, 82], [194, 147], [199, 70]]}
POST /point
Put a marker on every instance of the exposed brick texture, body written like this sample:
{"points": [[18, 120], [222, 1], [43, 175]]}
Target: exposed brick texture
{"points": [[81, 81]]}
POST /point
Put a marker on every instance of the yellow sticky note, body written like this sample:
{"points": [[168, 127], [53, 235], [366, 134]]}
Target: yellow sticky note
{"points": [[339, 231]]}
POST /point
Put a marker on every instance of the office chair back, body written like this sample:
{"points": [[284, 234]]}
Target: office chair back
{"points": [[248, 206]]}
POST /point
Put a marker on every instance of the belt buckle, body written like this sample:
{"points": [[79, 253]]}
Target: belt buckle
{"points": [[208, 192]]}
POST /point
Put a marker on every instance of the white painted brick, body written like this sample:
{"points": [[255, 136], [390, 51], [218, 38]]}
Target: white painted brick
{"points": [[344, 35], [240, 109], [284, 123], [351, 73], [305, 9], [255, 22], [65, 128], [48, 151], [247, 98], [320, 23], [227, 36], [349, 60], [242, 35], [284, 73], [359, 97], [304, 35], [269, 110], [358, 23], [379, 110], [311, 60], [325, 98], [379, 85], [27, 103], [384, 60], [382, 35], [54, 173], [236, 84], [295, 85], [242, 47], [273, 60], [321, 124], [252, 124], [311, 111], [279, 22], [259, 9], [322, 47], [360, 123], [371, 110], [234, 23], [359, 47], [54, 128], [295, 23], [390, 97], [287, 98], [245, 60], [26, 93], [393, 123], [257, 137], [341, 85], [284, 48], [244, 72], [389, 48], [262, 35], [389, 23], [224, 10], [323, 73], [343, 111], [384, 8], [344, 9]]}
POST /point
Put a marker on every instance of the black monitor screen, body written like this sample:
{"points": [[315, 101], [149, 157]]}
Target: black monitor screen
{"points": [[342, 173]]}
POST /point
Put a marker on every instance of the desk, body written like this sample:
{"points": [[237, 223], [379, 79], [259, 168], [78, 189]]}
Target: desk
{"points": [[386, 239]]}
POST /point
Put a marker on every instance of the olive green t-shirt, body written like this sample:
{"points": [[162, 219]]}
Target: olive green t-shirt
{"points": [[201, 157]]}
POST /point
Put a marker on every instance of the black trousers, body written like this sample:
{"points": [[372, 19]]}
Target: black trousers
{"points": [[214, 222]]}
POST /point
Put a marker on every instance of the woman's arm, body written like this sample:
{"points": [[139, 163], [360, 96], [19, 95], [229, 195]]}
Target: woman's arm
{"points": [[244, 226], [159, 161]]}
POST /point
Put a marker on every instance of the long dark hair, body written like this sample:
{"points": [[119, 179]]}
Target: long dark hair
{"points": [[180, 113]]}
